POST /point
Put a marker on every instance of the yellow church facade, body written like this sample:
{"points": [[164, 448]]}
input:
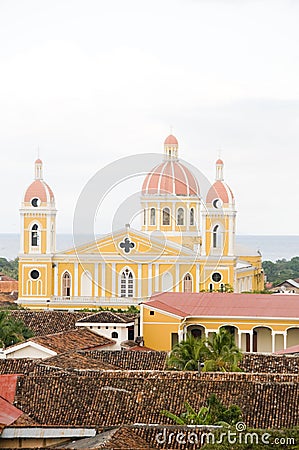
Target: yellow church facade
{"points": [[194, 251]]}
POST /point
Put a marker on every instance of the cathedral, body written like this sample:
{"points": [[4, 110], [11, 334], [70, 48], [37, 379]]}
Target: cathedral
{"points": [[193, 251]]}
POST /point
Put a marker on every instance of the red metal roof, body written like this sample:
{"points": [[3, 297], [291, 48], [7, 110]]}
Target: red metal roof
{"points": [[8, 412], [290, 350], [8, 385], [226, 305]]}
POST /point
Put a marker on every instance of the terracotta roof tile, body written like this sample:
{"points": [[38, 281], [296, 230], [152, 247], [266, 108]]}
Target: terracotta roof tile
{"points": [[46, 322], [78, 339], [108, 317], [113, 398]]}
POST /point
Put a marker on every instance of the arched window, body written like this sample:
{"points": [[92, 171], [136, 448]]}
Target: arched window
{"points": [[34, 236], [66, 284], [144, 217], [127, 284], [167, 282], [153, 216], [180, 216], [211, 287], [192, 216], [187, 283], [216, 237], [166, 216], [114, 335]]}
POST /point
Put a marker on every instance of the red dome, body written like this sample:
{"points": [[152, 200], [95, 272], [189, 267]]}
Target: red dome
{"points": [[41, 190], [171, 140], [220, 190], [170, 177], [219, 161], [38, 161]]}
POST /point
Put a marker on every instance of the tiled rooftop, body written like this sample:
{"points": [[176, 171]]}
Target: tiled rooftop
{"points": [[113, 398], [78, 339], [131, 360], [108, 317], [46, 322]]}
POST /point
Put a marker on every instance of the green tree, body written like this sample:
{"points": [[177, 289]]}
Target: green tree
{"points": [[186, 354], [214, 413], [218, 353], [12, 331], [9, 268], [222, 353]]}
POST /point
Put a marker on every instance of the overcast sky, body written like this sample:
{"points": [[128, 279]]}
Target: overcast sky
{"points": [[90, 81]]}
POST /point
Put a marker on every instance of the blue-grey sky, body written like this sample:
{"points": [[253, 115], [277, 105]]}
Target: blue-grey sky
{"points": [[89, 81]]}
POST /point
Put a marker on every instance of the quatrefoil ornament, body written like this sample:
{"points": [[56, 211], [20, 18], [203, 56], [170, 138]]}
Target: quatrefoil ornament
{"points": [[126, 245]]}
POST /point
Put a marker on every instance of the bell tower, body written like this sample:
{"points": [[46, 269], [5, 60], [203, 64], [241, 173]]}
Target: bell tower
{"points": [[38, 216]]}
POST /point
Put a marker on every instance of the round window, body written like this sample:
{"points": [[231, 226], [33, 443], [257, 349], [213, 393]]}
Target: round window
{"points": [[216, 277], [35, 202], [217, 203], [34, 274]]}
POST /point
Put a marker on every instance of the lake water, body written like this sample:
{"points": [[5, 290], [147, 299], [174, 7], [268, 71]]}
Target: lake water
{"points": [[271, 247]]}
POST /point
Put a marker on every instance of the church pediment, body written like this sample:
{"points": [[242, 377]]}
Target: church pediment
{"points": [[128, 242]]}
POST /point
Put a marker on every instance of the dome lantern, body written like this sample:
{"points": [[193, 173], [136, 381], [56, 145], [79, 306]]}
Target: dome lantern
{"points": [[171, 147]]}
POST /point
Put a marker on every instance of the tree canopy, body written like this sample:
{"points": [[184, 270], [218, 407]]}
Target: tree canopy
{"points": [[281, 270], [9, 268], [214, 413], [218, 353], [12, 330]]}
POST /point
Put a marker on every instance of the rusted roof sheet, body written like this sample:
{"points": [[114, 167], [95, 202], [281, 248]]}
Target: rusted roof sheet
{"points": [[8, 385], [8, 413]]}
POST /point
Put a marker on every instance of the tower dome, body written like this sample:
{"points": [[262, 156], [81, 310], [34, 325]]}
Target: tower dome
{"points": [[171, 177], [38, 191], [220, 190]]}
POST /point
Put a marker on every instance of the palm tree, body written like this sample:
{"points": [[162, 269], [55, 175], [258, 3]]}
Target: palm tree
{"points": [[186, 354], [215, 413], [222, 353]]}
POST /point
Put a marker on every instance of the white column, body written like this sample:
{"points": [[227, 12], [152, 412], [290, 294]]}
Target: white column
{"points": [[177, 277], [251, 341], [22, 230], [284, 340], [197, 279], [141, 319], [158, 216], [103, 280], [150, 279], [56, 279], [76, 281], [139, 280], [188, 216], [239, 339], [181, 335], [173, 218], [157, 277], [203, 239], [113, 276], [230, 236], [273, 341], [96, 279], [48, 234]]}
